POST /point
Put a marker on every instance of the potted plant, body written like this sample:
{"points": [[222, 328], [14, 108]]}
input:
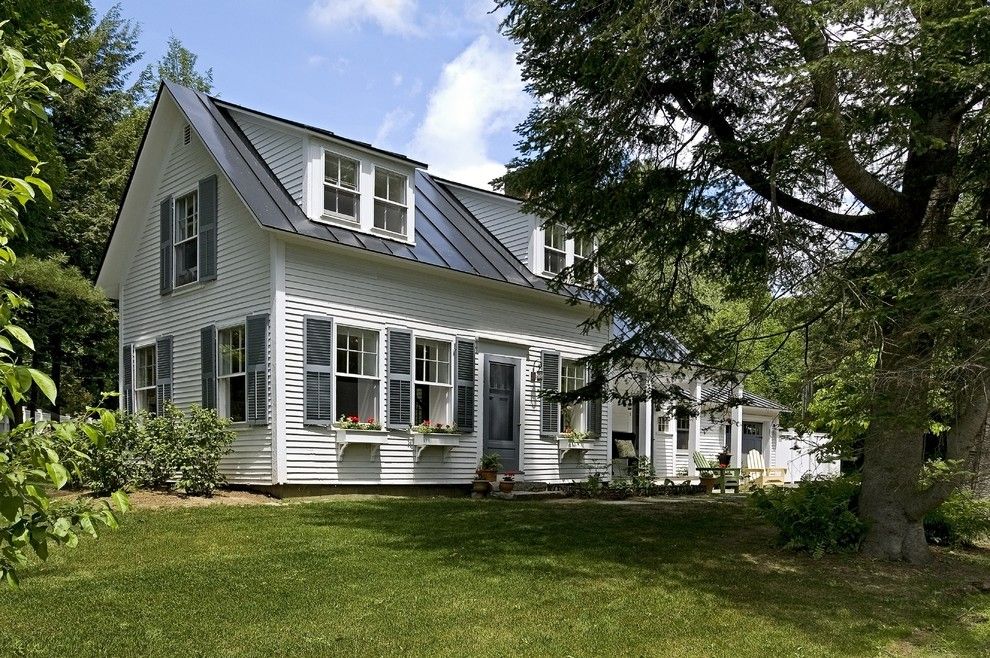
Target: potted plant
{"points": [[708, 481], [724, 457], [481, 486], [508, 482], [489, 465]]}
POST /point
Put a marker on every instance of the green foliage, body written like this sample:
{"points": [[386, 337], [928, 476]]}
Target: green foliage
{"points": [[818, 516], [151, 451], [490, 461], [961, 520]]}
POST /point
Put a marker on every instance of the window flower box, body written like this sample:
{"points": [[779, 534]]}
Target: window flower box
{"points": [[577, 442], [446, 441], [352, 431]]}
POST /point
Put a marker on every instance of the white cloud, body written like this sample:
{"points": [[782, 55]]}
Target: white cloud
{"points": [[397, 118], [392, 16], [479, 94], [396, 79]]}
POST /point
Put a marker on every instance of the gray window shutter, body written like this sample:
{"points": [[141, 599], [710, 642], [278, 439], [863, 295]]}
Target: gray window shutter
{"points": [[163, 371], [257, 369], [165, 256], [318, 367], [399, 376], [208, 228], [208, 365], [127, 379], [550, 409], [595, 417], [464, 385]]}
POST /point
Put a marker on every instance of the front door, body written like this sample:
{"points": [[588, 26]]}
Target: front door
{"points": [[752, 438], [501, 429]]}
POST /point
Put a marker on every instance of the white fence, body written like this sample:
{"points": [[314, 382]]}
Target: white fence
{"points": [[799, 453]]}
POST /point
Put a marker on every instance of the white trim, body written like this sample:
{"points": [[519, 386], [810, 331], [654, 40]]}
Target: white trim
{"points": [[278, 366], [153, 386], [370, 327]]}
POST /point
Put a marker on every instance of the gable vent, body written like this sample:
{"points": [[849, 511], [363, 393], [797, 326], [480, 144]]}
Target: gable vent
{"points": [[186, 135]]}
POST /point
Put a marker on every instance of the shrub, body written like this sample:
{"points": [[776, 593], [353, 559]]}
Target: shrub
{"points": [[818, 516], [153, 451], [208, 438], [115, 464], [962, 520]]}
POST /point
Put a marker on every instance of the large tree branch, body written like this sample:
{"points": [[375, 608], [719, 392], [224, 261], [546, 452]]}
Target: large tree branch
{"points": [[813, 45], [736, 160]]}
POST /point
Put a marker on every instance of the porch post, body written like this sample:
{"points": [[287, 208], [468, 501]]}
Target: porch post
{"points": [[694, 434], [736, 432], [647, 424]]}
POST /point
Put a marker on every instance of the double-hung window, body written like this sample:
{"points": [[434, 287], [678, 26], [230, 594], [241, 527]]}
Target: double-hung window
{"points": [[145, 379], [186, 217], [231, 375], [561, 252], [433, 388], [683, 430], [341, 198], [358, 383], [573, 417], [390, 201], [554, 249]]}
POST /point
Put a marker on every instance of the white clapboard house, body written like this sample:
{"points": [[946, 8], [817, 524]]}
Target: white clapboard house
{"points": [[289, 277]]}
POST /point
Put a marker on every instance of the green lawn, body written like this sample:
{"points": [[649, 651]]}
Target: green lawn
{"points": [[459, 577]]}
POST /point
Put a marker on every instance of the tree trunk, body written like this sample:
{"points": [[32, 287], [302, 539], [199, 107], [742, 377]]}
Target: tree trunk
{"points": [[980, 464], [891, 470]]}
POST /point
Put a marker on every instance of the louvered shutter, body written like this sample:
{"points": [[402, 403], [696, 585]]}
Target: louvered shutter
{"points": [[318, 367], [127, 379], [208, 365], [163, 371], [399, 376], [257, 369], [207, 250], [595, 417], [165, 253], [464, 401], [550, 409]]}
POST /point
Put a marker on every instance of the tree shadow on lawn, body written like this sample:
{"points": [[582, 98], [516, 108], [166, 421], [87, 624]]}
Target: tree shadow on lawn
{"points": [[720, 550]]}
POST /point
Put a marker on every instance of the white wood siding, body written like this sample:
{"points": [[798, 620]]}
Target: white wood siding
{"points": [[242, 287], [282, 151], [502, 218], [365, 290]]}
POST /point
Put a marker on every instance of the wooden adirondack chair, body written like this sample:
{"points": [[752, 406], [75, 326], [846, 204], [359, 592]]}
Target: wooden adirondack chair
{"points": [[758, 474], [732, 476]]}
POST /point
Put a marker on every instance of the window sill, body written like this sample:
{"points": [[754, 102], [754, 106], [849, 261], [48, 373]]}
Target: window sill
{"points": [[188, 288], [384, 233]]}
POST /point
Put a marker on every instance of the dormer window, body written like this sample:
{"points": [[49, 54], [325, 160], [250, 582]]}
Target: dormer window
{"points": [[390, 201], [561, 252], [341, 198], [360, 191], [554, 249]]}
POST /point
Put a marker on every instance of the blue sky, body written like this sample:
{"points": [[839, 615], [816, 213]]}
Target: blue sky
{"points": [[433, 80]]}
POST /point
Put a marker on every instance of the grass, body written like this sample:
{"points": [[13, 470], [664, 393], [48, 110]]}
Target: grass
{"points": [[445, 577]]}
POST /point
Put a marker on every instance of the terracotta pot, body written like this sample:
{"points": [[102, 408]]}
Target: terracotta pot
{"points": [[708, 484], [481, 486], [489, 474], [506, 487]]}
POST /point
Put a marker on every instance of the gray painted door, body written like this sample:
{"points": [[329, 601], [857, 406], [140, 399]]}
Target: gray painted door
{"points": [[501, 429], [752, 438]]}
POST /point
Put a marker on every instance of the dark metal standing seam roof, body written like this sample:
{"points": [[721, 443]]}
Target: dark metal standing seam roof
{"points": [[723, 395], [447, 235]]}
